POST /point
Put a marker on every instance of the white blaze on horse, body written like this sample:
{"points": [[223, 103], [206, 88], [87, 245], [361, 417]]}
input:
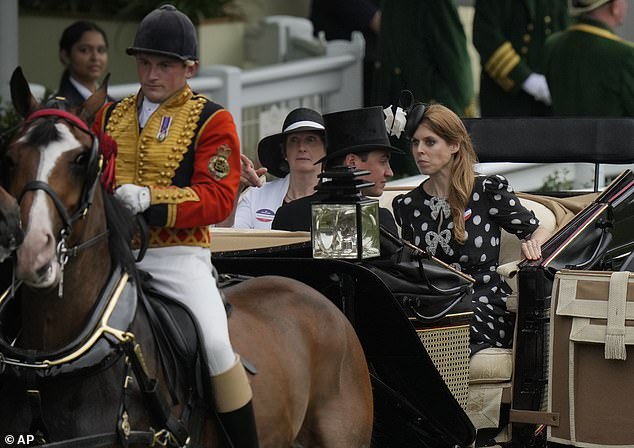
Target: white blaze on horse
{"points": [[82, 353]]}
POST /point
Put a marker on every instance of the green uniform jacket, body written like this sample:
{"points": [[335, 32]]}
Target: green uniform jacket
{"points": [[510, 37], [590, 71], [423, 48]]}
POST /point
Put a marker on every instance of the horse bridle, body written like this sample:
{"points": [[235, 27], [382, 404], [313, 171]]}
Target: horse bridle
{"points": [[88, 190]]}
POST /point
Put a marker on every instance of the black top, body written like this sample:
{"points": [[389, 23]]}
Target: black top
{"points": [[426, 222], [296, 215], [70, 92]]}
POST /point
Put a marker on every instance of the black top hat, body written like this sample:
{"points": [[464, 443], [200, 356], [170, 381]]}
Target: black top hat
{"points": [[270, 148], [356, 131]]}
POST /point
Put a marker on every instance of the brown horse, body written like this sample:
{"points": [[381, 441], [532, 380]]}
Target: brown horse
{"points": [[73, 368], [10, 230]]}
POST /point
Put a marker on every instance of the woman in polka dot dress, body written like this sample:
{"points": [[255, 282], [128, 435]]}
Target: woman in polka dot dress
{"points": [[457, 216]]}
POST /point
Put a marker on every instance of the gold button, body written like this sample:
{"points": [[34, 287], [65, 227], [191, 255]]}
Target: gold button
{"points": [[162, 173], [141, 172], [180, 196], [530, 27], [527, 38], [141, 155], [159, 197], [166, 164], [170, 157], [140, 163], [547, 19], [524, 50], [139, 180], [397, 70]]}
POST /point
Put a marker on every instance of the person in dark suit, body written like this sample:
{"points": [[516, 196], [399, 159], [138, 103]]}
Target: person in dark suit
{"points": [[339, 19], [590, 70], [83, 49], [356, 138], [510, 37], [423, 49]]}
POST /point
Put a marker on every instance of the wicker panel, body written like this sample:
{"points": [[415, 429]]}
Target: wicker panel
{"points": [[448, 348]]}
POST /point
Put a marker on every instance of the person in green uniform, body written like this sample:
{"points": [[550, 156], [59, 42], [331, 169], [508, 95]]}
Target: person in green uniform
{"points": [[590, 70], [510, 37], [423, 48]]}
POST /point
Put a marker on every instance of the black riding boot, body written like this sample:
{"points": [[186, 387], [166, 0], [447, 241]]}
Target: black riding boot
{"points": [[240, 426], [232, 394]]}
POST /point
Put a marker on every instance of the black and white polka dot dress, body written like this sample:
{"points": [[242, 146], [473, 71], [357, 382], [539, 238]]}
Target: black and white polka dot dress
{"points": [[426, 221]]}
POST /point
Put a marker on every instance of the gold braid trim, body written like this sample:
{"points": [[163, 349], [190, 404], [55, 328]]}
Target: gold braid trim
{"points": [[591, 29], [501, 63], [145, 159]]}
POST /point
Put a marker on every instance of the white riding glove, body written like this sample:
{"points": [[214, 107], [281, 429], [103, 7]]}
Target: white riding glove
{"points": [[135, 198], [536, 86]]}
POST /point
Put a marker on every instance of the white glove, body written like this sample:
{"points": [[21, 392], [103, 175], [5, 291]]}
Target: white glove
{"points": [[135, 198], [536, 86]]}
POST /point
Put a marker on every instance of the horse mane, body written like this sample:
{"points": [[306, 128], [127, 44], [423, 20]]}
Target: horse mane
{"points": [[122, 228], [43, 134]]}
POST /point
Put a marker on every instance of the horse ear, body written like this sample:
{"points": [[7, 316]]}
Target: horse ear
{"points": [[21, 96], [93, 103]]}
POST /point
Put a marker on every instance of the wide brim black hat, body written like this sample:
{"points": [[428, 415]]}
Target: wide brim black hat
{"points": [[270, 148], [356, 131]]}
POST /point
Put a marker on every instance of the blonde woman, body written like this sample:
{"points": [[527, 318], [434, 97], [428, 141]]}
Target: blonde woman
{"points": [[458, 215]]}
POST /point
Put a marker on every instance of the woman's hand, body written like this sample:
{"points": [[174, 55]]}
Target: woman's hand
{"points": [[532, 246], [249, 176]]}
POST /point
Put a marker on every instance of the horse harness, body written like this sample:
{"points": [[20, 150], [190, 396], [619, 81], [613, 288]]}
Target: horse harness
{"points": [[105, 340]]}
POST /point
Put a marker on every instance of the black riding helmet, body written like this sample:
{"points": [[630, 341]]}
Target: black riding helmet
{"points": [[168, 32]]}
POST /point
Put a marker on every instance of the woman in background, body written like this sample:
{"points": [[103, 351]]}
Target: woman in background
{"points": [[83, 49], [291, 156]]}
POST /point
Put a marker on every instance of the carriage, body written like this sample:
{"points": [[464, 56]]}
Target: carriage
{"points": [[425, 390], [512, 397]]}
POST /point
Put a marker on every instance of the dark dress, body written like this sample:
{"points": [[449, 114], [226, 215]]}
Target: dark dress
{"points": [[426, 222]]}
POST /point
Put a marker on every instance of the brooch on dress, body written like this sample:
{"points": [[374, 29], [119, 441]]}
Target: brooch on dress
{"points": [[437, 205]]}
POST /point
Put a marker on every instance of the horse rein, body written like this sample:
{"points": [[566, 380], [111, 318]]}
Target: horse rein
{"points": [[88, 193]]}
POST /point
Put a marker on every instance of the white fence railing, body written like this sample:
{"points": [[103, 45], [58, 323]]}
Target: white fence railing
{"points": [[326, 83]]}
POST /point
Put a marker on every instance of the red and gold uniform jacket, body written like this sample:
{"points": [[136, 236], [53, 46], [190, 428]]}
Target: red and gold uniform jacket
{"points": [[188, 154]]}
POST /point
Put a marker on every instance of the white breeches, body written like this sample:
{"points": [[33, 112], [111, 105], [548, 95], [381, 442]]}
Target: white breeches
{"points": [[185, 273]]}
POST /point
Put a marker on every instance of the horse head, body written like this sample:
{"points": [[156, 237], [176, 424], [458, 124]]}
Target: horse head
{"points": [[52, 168]]}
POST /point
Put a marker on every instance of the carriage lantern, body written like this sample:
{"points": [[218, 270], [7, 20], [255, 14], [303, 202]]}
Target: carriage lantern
{"points": [[345, 224]]}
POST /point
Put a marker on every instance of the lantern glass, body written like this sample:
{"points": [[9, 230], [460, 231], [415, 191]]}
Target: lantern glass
{"points": [[346, 231]]}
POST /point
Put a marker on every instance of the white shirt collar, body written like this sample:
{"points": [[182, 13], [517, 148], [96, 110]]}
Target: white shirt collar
{"points": [[83, 90], [146, 110]]}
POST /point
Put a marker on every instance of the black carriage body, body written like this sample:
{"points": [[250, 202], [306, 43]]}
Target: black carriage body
{"points": [[413, 405]]}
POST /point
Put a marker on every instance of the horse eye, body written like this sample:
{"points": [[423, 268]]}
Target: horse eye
{"points": [[81, 159]]}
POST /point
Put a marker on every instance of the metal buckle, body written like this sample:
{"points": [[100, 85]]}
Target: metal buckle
{"points": [[165, 438]]}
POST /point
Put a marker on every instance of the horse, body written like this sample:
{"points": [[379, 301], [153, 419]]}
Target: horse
{"points": [[10, 228], [80, 364]]}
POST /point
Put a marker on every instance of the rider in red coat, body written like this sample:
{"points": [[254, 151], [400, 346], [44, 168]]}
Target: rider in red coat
{"points": [[178, 164]]}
